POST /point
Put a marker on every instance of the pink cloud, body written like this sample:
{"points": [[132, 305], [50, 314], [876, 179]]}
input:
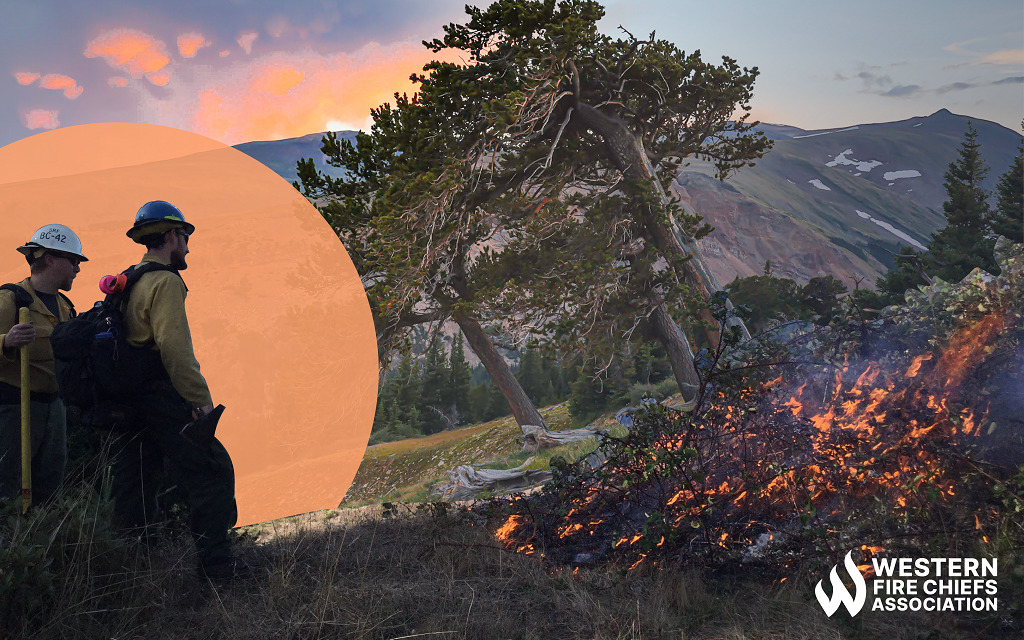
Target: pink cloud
{"points": [[25, 78], [159, 78], [40, 119], [59, 81], [225, 53], [191, 42], [245, 40], [117, 82], [56, 81], [136, 52]]}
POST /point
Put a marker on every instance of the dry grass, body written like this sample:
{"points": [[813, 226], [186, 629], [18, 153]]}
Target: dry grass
{"points": [[423, 572]]}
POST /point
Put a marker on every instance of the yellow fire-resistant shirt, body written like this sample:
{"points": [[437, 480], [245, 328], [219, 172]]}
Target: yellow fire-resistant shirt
{"points": [[156, 314], [42, 377]]}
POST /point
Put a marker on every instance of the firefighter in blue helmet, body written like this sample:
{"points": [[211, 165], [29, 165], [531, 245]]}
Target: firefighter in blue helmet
{"points": [[53, 255], [154, 316]]}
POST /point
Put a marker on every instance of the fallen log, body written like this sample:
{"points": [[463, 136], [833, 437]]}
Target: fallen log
{"points": [[467, 482]]}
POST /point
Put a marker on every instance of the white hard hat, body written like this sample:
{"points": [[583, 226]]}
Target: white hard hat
{"points": [[55, 237]]}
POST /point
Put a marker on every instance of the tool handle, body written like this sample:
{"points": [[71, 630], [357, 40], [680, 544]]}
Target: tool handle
{"points": [[26, 422]]}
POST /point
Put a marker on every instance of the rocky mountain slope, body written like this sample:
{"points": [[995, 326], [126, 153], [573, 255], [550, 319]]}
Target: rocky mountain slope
{"points": [[836, 201]]}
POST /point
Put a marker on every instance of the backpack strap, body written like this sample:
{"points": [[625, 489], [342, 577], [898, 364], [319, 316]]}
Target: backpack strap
{"points": [[22, 298], [71, 307], [134, 274]]}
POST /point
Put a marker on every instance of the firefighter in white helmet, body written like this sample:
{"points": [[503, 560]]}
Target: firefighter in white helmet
{"points": [[53, 254]]}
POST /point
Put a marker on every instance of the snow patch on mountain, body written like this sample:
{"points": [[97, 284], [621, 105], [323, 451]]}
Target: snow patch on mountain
{"points": [[825, 133], [862, 165], [819, 184], [896, 175], [891, 229]]}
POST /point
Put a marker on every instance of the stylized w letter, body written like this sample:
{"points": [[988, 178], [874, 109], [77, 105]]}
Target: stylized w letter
{"points": [[840, 595]]}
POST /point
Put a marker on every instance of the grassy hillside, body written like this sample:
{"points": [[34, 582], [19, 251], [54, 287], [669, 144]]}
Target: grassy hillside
{"points": [[409, 470]]}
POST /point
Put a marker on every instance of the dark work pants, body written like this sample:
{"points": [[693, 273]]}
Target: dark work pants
{"points": [[49, 449], [205, 472]]}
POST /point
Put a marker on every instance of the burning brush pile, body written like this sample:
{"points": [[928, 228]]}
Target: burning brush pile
{"points": [[899, 432]]}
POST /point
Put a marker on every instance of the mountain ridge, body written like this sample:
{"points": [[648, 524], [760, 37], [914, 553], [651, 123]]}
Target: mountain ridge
{"points": [[839, 201]]}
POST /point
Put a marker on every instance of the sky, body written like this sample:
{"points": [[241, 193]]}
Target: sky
{"points": [[244, 70]]}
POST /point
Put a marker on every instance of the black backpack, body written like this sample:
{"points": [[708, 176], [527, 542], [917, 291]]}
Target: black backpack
{"points": [[98, 371]]}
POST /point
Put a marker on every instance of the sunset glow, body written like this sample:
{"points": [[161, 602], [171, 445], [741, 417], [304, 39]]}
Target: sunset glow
{"points": [[277, 80], [281, 70], [289, 95]]}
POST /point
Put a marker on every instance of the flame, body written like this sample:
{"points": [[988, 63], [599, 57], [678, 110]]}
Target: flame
{"points": [[504, 533], [956, 361], [916, 365], [571, 529], [873, 431]]}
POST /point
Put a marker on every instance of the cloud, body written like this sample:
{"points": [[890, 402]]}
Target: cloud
{"points": [[136, 52], [283, 95], [245, 40], [225, 53], [159, 78], [25, 78], [1000, 57], [56, 81], [901, 91], [59, 81], [956, 86], [1004, 57], [874, 82], [40, 119], [280, 26], [277, 79], [190, 43], [117, 82], [961, 86]]}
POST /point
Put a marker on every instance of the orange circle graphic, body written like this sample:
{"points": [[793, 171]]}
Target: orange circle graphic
{"points": [[280, 323]]}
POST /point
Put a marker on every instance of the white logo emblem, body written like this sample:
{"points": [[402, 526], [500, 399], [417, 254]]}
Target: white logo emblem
{"points": [[840, 594]]}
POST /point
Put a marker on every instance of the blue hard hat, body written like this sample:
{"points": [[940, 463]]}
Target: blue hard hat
{"points": [[158, 216]]}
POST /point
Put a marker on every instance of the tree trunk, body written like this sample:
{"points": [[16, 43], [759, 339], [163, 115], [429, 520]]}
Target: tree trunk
{"points": [[626, 151], [680, 356], [522, 408]]}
